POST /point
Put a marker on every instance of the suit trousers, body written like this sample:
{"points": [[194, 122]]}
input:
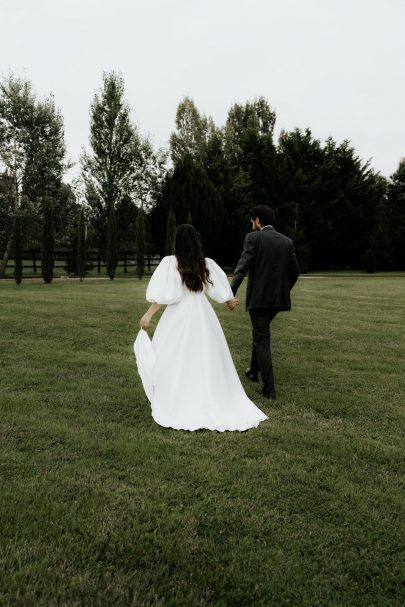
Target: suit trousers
{"points": [[261, 350]]}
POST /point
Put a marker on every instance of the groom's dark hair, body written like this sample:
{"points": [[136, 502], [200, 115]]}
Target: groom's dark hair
{"points": [[263, 213]]}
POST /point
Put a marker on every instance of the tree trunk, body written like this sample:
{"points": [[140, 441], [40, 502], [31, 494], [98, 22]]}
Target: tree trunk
{"points": [[6, 256]]}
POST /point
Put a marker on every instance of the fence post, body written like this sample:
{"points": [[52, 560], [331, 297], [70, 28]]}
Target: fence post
{"points": [[34, 262], [125, 262], [149, 262], [98, 263]]}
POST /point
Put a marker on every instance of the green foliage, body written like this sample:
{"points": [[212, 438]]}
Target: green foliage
{"points": [[81, 246], [122, 168], [112, 249], [339, 212], [396, 209], [327, 200], [66, 214], [18, 265], [140, 243], [189, 193], [48, 242], [107, 170], [46, 153], [190, 138], [32, 152]]}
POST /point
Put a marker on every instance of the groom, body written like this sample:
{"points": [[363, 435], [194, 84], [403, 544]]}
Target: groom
{"points": [[270, 259]]}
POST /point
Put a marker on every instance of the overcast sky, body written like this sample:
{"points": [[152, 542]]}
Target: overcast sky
{"points": [[335, 66]]}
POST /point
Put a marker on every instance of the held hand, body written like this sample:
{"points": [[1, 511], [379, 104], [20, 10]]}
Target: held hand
{"points": [[232, 303], [145, 321]]}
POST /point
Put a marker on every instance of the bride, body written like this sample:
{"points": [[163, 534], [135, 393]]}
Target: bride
{"points": [[187, 370]]}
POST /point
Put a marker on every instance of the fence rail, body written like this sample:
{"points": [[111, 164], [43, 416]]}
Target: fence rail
{"points": [[126, 260]]}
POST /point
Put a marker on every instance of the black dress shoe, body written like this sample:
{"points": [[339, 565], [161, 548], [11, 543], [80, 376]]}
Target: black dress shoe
{"points": [[270, 395], [252, 376]]}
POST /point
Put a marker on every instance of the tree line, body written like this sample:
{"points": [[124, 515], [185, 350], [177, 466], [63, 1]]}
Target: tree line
{"points": [[339, 211]]}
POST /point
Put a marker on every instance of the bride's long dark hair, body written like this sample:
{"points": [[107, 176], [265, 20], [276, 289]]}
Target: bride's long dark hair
{"points": [[190, 258]]}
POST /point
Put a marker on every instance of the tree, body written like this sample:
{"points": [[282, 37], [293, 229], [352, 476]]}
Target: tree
{"points": [[353, 209], [140, 243], [46, 151], [249, 161], [18, 266], [48, 242], [17, 104], [249, 146], [192, 132], [107, 171], [170, 230], [296, 195], [112, 251], [326, 199], [395, 209], [81, 246], [32, 152], [148, 173], [6, 208], [190, 193]]}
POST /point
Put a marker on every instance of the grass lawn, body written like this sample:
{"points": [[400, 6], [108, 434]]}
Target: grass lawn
{"points": [[101, 506]]}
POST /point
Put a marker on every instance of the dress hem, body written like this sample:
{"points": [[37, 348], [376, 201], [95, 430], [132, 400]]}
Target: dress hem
{"points": [[212, 429]]}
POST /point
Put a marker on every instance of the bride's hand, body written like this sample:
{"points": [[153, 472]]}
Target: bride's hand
{"points": [[232, 303], [145, 321]]}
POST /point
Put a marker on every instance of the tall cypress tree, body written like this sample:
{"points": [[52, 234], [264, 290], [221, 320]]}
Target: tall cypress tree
{"points": [[81, 247], [108, 170], [112, 250], [18, 267], [171, 228], [140, 243], [48, 242]]}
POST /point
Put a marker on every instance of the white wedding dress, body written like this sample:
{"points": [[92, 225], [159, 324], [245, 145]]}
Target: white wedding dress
{"points": [[187, 370]]}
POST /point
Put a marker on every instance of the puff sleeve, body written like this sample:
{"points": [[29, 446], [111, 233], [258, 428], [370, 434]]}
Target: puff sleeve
{"points": [[165, 286], [220, 289]]}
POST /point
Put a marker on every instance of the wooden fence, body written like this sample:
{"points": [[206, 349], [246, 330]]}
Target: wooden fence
{"points": [[126, 260]]}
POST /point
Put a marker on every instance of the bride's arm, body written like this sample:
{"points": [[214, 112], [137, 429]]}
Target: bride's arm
{"points": [[147, 317]]}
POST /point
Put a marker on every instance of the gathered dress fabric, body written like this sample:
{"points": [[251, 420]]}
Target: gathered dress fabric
{"points": [[187, 370]]}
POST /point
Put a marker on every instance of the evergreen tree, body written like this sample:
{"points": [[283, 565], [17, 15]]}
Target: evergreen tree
{"points": [[295, 199], [249, 146], [48, 242], [18, 265], [396, 205], [112, 249], [326, 200], [381, 239], [108, 170], [81, 246], [353, 213], [191, 193], [170, 230], [250, 161], [140, 243], [325, 197], [192, 131]]}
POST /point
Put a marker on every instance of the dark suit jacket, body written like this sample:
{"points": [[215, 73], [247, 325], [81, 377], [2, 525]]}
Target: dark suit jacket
{"points": [[270, 259]]}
